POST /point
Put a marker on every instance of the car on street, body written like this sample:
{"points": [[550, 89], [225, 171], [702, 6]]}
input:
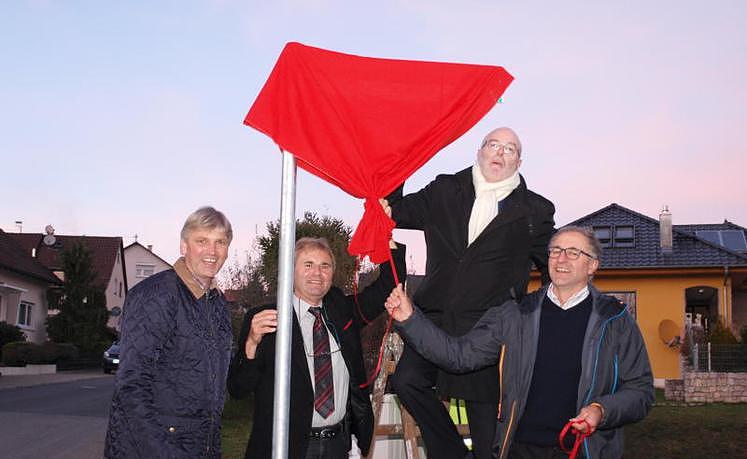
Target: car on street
{"points": [[111, 358]]}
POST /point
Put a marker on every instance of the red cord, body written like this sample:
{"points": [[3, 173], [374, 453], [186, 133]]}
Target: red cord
{"points": [[386, 331], [580, 437], [381, 355]]}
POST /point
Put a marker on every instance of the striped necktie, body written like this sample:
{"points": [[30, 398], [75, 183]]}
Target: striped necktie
{"points": [[324, 392]]}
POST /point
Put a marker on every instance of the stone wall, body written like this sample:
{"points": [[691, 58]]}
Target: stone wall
{"points": [[674, 390], [703, 387]]}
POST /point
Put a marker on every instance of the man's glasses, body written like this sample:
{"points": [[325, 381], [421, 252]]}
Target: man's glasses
{"points": [[311, 353], [571, 252], [507, 149], [334, 338]]}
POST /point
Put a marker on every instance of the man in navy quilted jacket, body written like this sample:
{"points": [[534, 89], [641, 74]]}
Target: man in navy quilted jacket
{"points": [[175, 350]]}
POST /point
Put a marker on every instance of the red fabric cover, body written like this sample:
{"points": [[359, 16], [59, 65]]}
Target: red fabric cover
{"points": [[366, 124]]}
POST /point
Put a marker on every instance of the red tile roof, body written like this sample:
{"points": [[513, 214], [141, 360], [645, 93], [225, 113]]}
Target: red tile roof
{"points": [[14, 257], [103, 250]]}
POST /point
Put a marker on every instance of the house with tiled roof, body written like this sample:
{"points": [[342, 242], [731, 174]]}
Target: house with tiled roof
{"points": [[107, 256], [24, 283], [669, 274], [142, 262]]}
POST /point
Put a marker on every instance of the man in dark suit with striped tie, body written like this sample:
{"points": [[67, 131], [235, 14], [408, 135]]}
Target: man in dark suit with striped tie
{"points": [[329, 393]]}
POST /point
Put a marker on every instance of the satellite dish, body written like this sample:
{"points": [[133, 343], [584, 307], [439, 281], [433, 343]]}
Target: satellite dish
{"points": [[669, 333], [49, 240]]}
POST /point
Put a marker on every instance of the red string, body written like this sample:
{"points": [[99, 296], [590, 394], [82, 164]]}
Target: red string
{"points": [[386, 330], [580, 437], [381, 355]]}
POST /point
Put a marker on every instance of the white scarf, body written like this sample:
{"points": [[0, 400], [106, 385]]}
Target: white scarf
{"points": [[487, 197]]}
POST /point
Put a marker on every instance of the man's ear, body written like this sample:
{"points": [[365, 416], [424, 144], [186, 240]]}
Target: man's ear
{"points": [[182, 246]]}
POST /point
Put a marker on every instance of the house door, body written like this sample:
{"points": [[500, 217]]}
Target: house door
{"points": [[701, 306]]}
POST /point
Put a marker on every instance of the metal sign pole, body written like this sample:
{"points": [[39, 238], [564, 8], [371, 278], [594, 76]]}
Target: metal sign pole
{"points": [[285, 309]]}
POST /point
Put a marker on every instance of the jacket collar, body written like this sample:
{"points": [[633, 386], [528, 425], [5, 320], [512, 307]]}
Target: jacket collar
{"points": [[601, 306], [605, 308], [180, 266]]}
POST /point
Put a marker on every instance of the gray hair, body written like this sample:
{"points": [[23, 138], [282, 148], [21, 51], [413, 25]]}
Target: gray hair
{"points": [[594, 245], [207, 218], [318, 243]]}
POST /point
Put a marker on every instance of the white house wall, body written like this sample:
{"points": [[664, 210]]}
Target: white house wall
{"points": [[116, 292], [32, 292], [138, 255]]}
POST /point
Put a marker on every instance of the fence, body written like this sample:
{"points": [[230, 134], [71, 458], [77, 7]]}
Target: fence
{"points": [[727, 358]]}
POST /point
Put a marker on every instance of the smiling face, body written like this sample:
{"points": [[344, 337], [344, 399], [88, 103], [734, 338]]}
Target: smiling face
{"points": [[571, 275], [205, 250], [313, 274], [496, 165]]}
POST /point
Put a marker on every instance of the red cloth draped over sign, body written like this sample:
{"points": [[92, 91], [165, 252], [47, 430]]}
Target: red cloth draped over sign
{"points": [[366, 124]]}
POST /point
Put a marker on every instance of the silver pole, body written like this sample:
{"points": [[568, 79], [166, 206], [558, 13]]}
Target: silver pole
{"points": [[285, 309]]}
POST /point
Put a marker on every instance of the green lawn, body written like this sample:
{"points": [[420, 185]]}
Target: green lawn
{"points": [[676, 432], [689, 432], [237, 421]]}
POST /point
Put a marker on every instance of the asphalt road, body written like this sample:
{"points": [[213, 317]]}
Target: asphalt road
{"points": [[55, 421]]}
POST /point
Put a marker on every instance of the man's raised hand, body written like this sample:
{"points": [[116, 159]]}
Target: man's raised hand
{"points": [[398, 304]]}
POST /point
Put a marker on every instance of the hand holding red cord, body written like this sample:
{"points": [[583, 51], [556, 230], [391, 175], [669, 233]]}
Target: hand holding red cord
{"points": [[583, 425], [580, 437]]}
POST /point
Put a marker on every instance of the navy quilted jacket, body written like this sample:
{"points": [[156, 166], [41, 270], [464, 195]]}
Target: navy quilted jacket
{"points": [[169, 391]]}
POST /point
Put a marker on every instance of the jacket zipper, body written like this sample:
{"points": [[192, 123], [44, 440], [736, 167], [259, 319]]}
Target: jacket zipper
{"points": [[212, 336], [504, 452], [500, 381]]}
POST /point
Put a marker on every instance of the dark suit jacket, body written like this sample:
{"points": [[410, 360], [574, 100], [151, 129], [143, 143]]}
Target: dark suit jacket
{"points": [[258, 375], [462, 282]]}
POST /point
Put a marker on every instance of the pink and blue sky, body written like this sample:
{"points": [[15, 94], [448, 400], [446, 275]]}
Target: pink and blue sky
{"points": [[120, 118]]}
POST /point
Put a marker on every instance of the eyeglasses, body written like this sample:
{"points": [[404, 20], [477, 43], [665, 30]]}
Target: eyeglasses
{"points": [[571, 252], [312, 353], [507, 149], [335, 344]]}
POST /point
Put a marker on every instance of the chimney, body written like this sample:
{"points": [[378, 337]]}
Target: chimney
{"points": [[150, 247], [665, 230]]}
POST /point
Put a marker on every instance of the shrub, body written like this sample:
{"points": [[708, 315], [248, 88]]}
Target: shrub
{"points": [[720, 334], [55, 352], [21, 353], [695, 335], [9, 334]]}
